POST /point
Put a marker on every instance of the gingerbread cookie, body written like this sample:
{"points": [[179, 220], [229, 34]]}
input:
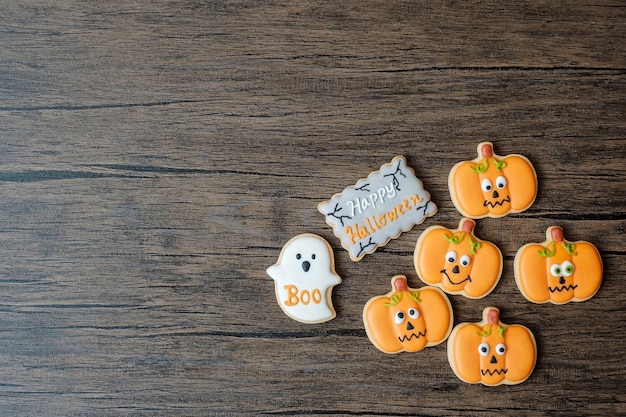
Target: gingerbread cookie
{"points": [[492, 185], [558, 271], [304, 278], [491, 352], [407, 319], [457, 261], [378, 208]]}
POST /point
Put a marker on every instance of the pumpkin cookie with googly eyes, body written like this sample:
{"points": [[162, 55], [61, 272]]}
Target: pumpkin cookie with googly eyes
{"points": [[492, 185], [490, 352], [408, 319], [457, 261], [558, 271]]}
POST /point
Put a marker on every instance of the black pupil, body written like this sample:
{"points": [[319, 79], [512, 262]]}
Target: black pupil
{"points": [[483, 349], [450, 259], [488, 187], [313, 256], [298, 256], [400, 315]]}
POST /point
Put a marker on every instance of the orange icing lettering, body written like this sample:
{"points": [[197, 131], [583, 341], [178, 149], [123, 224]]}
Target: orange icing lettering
{"points": [[373, 224], [296, 297], [292, 292]]}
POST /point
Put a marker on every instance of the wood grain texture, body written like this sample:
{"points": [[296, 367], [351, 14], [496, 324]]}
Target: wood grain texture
{"points": [[156, 155]]}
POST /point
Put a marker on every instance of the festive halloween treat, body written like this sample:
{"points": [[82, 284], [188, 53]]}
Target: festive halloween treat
{"points": [[407, 319], [304, 278], [457, 261], [378, 208], [492, 185], [558, 271], [491, 352]]}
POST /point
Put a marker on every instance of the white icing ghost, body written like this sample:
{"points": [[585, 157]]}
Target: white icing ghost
{"points": [[304, 277]]}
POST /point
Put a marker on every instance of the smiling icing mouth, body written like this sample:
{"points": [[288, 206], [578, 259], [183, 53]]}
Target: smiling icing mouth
{"points": [[497, 203], [469, 279], [406, 338]]}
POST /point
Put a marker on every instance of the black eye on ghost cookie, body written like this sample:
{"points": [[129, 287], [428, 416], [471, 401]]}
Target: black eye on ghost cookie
{"points": [[298, 256]]}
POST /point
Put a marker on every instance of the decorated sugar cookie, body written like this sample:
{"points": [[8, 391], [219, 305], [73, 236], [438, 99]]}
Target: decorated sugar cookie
{"points": [[378, 208], [558, 271], [407, 319], [492, 185], [304, 277], [491, 352], [457, 261]]}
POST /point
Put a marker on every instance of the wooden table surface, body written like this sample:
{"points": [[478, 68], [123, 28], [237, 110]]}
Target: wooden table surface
{"points": [[155, 156]]}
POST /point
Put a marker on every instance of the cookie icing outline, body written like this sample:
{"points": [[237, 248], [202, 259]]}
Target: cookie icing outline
{"points": [[304, 276], [378, 208]]}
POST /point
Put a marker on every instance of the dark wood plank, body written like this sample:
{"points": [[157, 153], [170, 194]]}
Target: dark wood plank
{"points": [[156, 156]]}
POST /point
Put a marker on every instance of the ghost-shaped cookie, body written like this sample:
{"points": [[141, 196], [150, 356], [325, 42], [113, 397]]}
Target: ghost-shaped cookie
{"points": [[304, 277]]}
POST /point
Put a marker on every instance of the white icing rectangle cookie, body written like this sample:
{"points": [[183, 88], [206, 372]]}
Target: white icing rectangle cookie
{"points": [[378, 208]]}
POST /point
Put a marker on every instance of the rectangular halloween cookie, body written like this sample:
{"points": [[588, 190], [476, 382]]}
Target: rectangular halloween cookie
{"points": [[378, 208]]}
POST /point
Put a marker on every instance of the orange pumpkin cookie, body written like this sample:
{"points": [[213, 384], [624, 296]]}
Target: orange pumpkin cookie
{"points": [[457, 261], [558, 271], [490, 352], [408, 319], [492, 185]]}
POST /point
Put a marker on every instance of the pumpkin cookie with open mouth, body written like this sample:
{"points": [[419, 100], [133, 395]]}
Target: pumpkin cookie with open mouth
{"points": [[492, 185], [408, 319], [491, 352], [557, 270]]}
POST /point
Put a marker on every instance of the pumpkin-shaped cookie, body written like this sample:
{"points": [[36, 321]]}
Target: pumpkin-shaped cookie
{"points": [[490, 352], [408, 319], [558, 271], [457, 261], [492, 185]]}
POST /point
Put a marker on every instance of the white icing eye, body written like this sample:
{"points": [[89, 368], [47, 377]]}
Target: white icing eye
{"points": [[501, 182], [567, 268], [400, 316], [413, 313], [500, 349], [451, 256], [483, 349], [465, 260], [486, 185], [555, 270]]}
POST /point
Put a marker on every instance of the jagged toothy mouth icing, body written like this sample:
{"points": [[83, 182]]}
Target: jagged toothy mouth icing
{"points": [[406, 338], [497, 203], [562, 288], [491, 372]]}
